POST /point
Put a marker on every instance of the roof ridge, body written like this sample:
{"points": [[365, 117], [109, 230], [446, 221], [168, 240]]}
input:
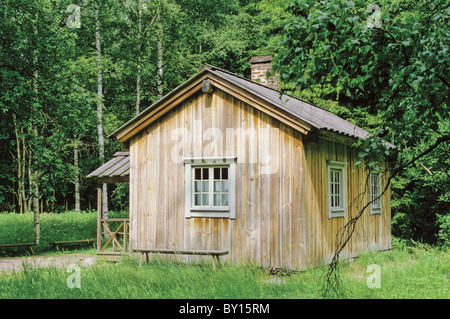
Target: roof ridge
{"points": [[287, 99], [212, 68], [310, 113]]}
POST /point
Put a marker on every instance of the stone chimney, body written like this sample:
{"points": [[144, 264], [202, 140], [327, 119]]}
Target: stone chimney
{"points": [[260, 65]]}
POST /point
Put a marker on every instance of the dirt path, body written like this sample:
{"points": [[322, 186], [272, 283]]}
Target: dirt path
{"points": [[16, 263]]}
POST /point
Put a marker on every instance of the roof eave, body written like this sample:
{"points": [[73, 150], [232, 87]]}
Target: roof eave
{"points": [[161, 101]]}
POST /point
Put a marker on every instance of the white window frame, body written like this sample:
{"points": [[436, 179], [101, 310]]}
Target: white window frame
{"points": [[337, 211], [211, 211], [375, 209]]}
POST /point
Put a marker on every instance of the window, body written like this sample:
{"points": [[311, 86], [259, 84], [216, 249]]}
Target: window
{"points": [[375, 192], [210, 187], [336, 189]]}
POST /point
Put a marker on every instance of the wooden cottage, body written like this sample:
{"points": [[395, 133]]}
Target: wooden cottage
{"points": [[227, 163]]}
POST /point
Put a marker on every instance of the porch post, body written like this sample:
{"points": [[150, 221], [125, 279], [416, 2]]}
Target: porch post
{"points": [[99, 217]]}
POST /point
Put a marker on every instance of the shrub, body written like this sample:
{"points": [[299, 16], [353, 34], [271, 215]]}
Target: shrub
{"points": [[443, 222]]}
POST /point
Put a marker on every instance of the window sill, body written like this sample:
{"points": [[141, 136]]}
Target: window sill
{"points": [[209, 214], [336, 213], [375, 211], [210, 209]]}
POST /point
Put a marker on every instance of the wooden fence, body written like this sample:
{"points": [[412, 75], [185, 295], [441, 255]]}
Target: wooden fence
{"points": [[112, 235]]}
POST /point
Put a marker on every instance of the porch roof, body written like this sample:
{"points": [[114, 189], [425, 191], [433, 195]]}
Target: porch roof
{"points": [[116, 170]]}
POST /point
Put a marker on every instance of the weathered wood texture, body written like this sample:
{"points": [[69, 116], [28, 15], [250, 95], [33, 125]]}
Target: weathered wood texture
{"points": [[115, 170], [281, 203], [28, 246], [56, 244]]}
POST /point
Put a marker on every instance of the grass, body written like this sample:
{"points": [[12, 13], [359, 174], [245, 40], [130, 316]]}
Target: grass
{"points": [[67, 226], [407, 271], [18, 228]]}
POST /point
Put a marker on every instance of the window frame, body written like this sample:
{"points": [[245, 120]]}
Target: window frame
{"points": [[210, 211], [375, 210], [341, 210]]}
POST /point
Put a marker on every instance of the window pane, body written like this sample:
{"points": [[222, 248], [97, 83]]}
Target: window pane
{"points": [[205, 200], [216, 199], [216, 173], [198, 200], [198, 173], [225, 186], [224, 200], [375, 190], [210, 188], [224, 172]]}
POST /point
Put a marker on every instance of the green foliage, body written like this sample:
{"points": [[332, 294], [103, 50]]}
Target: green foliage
{"points": [[390, 78], [421, 193], [443, 222], [385, 68], [395, 70], [120, 197], [47, 112]]}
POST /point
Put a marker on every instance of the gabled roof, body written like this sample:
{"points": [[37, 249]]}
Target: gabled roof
{"points": [[313, 115], [302, 115]]}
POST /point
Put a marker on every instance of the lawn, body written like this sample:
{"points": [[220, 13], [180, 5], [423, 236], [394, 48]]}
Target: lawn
{"points": [[18, 228], [405, 272]]}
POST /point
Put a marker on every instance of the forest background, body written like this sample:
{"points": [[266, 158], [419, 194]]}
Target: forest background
{"points": [[71, 72]]}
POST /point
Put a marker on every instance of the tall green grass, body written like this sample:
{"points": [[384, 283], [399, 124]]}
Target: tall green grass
{"points": [[19, 228], [414, 271]]}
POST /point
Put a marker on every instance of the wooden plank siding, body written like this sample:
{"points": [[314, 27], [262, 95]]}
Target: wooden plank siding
{"points": [[281, 205]]}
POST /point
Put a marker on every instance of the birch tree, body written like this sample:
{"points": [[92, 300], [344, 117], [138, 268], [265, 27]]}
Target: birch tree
{"points": [[139, 48], [77, 173], [159, 76], [101, 140], [33, 174]]}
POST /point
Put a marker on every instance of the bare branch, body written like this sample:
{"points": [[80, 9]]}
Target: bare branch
{"points": [[343, 236], [432, 176]]}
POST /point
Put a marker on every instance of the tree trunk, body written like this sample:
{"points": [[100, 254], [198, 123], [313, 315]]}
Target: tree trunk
{"points": [[101, 141], [20, 189], [139, 47], [34, 175], [26, 206], [53, 201], [77, 174], [159, 77]]}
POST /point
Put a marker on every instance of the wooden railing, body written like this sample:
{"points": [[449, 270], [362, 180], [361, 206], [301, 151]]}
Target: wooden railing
{"points": [[117, 239]]}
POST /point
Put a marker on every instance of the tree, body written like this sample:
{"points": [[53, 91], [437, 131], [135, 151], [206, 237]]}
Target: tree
{"points": [[387, 62], [138, 71], [55, 85], [160, 74], [101, 141]]}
